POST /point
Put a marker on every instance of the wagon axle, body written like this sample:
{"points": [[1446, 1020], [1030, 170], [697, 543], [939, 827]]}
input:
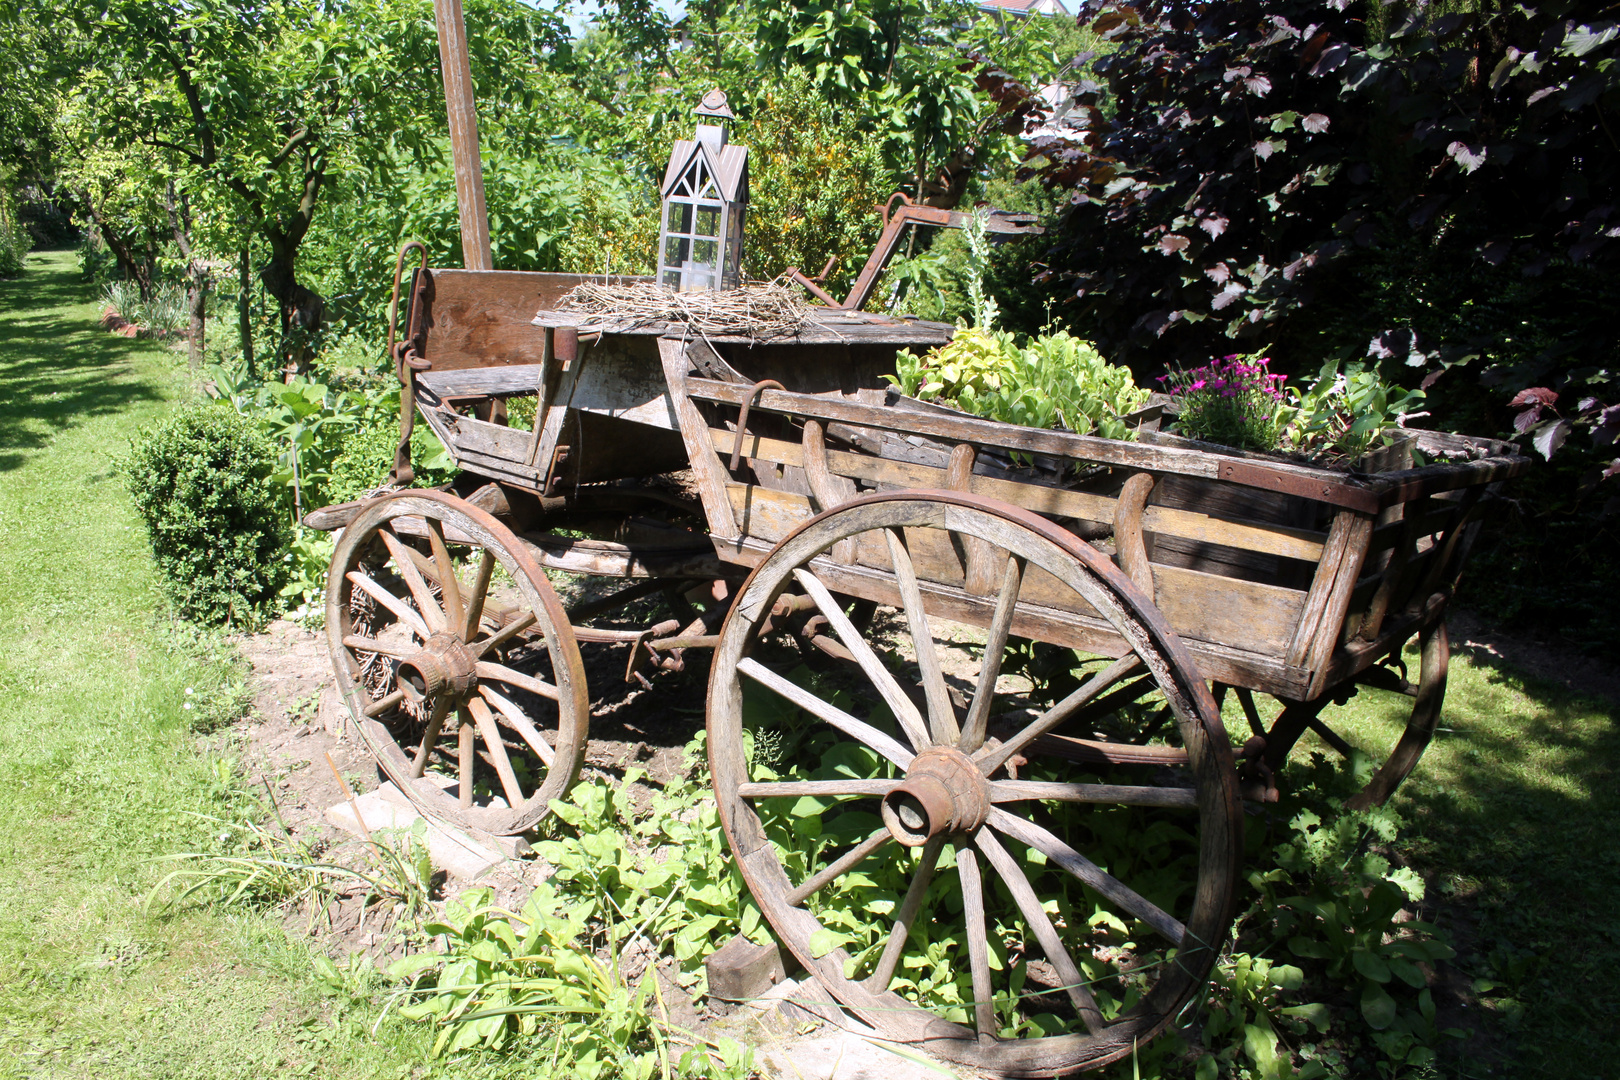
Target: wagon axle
{"points": [[443, 666], [943, 793]]}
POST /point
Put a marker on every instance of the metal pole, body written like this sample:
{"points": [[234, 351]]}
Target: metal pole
{"points": [[463, 112]]}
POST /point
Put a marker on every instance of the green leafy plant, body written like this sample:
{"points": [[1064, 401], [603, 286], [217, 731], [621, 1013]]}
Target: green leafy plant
{"points": [[200, 482], [505, 979], [1054, 381], [1343, 414]]}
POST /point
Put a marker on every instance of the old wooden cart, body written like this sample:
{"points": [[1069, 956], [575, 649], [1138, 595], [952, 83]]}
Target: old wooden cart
{"points": [[1077, 859]]}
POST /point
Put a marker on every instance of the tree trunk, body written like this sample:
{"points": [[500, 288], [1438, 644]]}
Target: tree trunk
{"points": [[244, 302], [130, 266], [302, 309], [196, 332]]}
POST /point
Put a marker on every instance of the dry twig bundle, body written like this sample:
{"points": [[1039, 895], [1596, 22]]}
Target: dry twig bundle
{"points": [[765, 309]]}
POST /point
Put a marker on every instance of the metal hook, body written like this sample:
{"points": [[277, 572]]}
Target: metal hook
{"points": [[742, 417]]}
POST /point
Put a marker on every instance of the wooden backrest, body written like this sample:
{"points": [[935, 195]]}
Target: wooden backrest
{"points": [[483, 318]]}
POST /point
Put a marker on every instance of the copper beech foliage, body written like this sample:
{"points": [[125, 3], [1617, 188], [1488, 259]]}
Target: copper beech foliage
{"points": [[1238, 166]]}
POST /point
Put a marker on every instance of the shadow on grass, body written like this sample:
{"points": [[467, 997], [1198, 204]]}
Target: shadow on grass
{"points": [[57, 367], [1516, 813]]}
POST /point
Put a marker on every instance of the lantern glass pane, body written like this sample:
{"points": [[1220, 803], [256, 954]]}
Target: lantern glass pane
{"points": [[677, 216], [708, 221], [706, 252], [675, 250]]}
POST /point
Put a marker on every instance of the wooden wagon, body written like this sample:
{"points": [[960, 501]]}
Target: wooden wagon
{"points": [[807, 493], [1024, 885]]}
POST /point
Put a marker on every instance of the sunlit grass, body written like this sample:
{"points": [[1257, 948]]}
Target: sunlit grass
{"points": [[102, 765]]}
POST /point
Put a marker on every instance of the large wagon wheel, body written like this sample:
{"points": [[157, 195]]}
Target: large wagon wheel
{"points": [[490, 696], [1392, 767], [965, 916]]}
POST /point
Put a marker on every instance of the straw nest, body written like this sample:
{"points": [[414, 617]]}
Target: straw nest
{"points": [[765, 309]]}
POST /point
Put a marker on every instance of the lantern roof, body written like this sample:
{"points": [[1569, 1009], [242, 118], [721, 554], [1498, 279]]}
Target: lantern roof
{"points": [[727, 164]]}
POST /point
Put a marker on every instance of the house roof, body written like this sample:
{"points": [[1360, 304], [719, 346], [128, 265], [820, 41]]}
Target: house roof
{"points": [[1025, 7], [729, 167]]}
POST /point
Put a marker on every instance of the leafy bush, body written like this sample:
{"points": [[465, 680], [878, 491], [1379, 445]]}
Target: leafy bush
{"points": [[14, 239], [1054, 381], [1343, 414], [629, 883], [14, 245], [200, 481]]}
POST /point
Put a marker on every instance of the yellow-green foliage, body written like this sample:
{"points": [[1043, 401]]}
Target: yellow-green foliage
{"points": [[1054, 381]]}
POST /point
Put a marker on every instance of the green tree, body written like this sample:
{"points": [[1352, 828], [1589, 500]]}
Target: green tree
{"points": [[264, 104]]}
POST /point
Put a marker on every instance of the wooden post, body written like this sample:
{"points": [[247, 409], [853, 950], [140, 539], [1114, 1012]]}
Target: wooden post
{"points": [[463, 113]]}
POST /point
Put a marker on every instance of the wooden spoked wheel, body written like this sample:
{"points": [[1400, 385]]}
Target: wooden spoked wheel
{"points": [[1022, 926], [466, 683], [1392, 763]]}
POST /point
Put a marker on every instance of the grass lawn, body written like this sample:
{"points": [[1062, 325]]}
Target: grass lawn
{"points": [[101, 768]]}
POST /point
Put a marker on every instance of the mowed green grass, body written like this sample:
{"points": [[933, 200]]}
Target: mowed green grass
{"points": [[100, 770], [1513, 815]]}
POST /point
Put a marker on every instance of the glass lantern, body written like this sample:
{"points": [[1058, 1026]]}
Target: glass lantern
{"points": [[705, 194]]}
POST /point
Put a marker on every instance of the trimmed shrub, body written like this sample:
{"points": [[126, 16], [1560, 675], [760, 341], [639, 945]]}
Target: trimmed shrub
{"points": [[218, 529]]}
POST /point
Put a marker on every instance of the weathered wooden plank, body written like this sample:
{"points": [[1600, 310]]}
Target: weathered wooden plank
{"points": [[481, 318], [1286, 541], [1205, 607], [1326, 637], [483, 381], [1160, 455], [823, 328], [711, 478]]}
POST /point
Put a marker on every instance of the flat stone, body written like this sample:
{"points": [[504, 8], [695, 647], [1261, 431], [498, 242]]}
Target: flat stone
{"points": [[837, 1055], [451, 849]]}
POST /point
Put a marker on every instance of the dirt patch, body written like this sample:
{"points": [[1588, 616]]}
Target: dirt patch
{"points": [[1538, 657]]}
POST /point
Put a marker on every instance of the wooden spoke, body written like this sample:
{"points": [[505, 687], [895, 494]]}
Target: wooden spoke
{"points": [[1331, 737], [835, 716], [984, 1009], [491, 731], [454, 614], [1088, 872], [365, 644], [400, 608], [515, 717], [430, 736], [941, 713], [466, 755], [413, 579], [475, 596], [895, 947], [503, 635], [1245, 698], [383, 704], [995, 644], [1074, 984], [899, 704], [1003, 791], [841, 866], [992, 759], [487, 669], [819, 789]]}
